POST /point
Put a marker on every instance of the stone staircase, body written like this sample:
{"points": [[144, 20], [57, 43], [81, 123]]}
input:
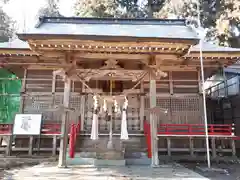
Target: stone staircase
{"points": [[89, 152]]}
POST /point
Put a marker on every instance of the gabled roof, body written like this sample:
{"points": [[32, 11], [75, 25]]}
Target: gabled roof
{"points": [[138, 28]]}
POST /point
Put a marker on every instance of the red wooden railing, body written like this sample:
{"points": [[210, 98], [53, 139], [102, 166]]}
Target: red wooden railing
{"points": [[6, 128], [187, 130], [195, 129]]}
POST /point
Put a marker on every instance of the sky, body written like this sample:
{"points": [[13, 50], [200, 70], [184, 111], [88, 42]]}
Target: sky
{"points": [[24, 12]]}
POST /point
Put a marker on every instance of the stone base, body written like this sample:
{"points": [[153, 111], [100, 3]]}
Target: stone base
{"points": [[104, 162], [110, 155], [94, 162]]}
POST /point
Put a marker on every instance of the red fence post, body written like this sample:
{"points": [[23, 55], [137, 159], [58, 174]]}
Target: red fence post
{"points": [[149, 141], [148, 138], [72, 141]]}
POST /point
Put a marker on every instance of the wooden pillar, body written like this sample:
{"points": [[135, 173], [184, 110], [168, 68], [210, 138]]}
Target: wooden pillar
{"points": [[30, 146], [9, 145], [54, 145], [64, 127], [153, 123], [233, 147], [23, 89], [54, 139], [191, 146], [142, 106], [199, 81], [168, 146], [82, 107], [214, 153], [21, 110]]}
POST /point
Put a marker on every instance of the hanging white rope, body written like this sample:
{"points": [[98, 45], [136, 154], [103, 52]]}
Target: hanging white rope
{"points": [[94, 132], [124, 131]]}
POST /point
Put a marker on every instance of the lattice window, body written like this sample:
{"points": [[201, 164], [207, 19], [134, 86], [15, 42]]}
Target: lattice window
{"points": [[180, 110], [42, 104]]}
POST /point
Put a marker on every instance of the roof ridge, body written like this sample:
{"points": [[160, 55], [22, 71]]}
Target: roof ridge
{"points": [[89, 20]]}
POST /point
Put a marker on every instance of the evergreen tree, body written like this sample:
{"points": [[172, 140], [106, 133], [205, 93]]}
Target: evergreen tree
{"points": [[221, 17], [51, 9], [110, 8], [97, 8], [6, 26]]}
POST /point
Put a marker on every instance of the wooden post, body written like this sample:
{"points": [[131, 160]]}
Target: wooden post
{"points": [[23, 89], [214, 153], [199, 81], [168, 146], [54, 145], [191, 146], [170, 83], [233, 147], [225, 82], [142, 106], [82, 107], [64, 127], [153, 123], [21, 110], [54, 142], [9, 145], [30, 146]]}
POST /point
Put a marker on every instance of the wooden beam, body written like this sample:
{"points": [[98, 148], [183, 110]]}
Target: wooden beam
{"points": [[71, 43]]}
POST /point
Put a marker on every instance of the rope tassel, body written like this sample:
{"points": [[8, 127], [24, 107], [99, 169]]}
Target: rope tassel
{"points": [[124, 131]]}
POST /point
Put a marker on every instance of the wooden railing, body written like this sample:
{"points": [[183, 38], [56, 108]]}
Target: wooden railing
{"points": [[195, 129], [188, 130]]}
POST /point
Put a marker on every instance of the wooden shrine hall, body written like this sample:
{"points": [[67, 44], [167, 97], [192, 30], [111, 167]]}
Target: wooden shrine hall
{"points": [[114, 88]]}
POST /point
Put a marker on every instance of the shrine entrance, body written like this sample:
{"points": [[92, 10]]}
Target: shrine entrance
{"points": [[133, 111], [106, 75]]}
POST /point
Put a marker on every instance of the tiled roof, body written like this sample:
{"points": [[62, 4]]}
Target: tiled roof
{"points": [[139, 28]]}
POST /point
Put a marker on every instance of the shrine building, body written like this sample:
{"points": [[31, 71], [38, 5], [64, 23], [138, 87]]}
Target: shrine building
{"points": [[116, 89]]}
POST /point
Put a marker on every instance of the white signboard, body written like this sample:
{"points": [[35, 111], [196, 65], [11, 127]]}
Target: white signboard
{"points": [[27, 124]]}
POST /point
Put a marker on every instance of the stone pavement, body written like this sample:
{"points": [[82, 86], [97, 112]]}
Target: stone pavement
{"points": [[51, 172]]}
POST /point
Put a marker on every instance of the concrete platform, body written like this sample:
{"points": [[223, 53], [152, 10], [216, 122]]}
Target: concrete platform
{"points": [[50, 171], [103, 162], [89, 158]]}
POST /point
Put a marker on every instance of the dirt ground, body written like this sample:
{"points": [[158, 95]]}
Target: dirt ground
{"points": [[224, 171]]}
